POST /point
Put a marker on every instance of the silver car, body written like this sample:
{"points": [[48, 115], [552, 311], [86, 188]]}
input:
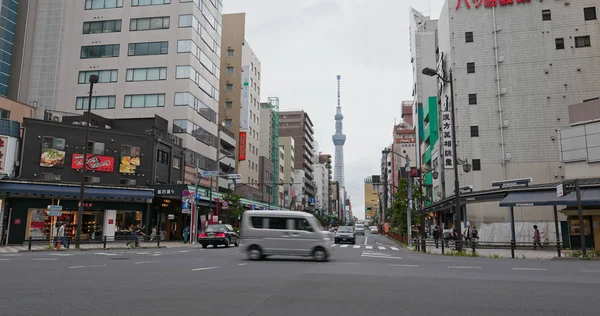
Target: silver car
{"points": [[287, 233], [360, 229]]}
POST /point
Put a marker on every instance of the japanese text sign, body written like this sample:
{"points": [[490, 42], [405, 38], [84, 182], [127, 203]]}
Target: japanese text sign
{"points": [[93, 162], [447, 145], [487, 3], [242, 147]]}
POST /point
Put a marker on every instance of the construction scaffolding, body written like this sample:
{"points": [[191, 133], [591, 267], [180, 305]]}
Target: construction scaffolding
{"points": [[273, 105]]}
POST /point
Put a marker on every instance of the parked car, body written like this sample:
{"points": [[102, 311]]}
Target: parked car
{"points": [[359, 229], [288, 233], [345, 233], [219, 234]]}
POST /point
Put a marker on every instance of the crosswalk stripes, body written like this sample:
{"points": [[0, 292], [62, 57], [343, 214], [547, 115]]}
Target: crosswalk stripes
{"points": [[368, 247]]}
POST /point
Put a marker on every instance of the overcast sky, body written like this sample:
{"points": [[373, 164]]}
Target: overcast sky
{"points": [[304, 44]]}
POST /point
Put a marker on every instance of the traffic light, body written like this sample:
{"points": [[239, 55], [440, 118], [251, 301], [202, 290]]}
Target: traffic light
{"points": [[366, 208]]}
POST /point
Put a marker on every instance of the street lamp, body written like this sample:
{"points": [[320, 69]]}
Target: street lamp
{"points": [[457, 207], [93, 80], [410, 193]]}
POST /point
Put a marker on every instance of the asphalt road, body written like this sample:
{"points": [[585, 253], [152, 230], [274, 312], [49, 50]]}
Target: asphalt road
{"points": [[375, 278]]}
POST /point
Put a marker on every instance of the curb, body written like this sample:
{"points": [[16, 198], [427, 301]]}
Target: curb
{"points": [[575, 259], [90, 249]]}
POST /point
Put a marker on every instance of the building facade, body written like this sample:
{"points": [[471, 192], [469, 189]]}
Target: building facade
{"points": [[506, 128], [8, 17], [287, 147], [298, 125], [239, 105], [371, 197], [325, 159], [152, 57]]}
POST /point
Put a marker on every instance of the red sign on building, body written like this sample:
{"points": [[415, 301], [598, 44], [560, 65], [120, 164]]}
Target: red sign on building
{"points": [[95, 163], [242, 147], [488, 3]]}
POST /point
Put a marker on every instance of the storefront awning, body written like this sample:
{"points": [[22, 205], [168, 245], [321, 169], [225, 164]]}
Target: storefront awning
{"points": [[589, 196], [69, 190]]}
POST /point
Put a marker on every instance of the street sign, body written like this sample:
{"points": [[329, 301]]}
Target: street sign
{"points": [[54, 207], [560, 190], [210, 173], [225, 205], [54, 213], [234, 177]]}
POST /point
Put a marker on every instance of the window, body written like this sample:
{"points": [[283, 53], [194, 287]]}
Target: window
{"points": [[145, 100], [302, 224], [103, 4], [277, 223], [546, 15], [189, 46], [104, 76], [473, 98], [151, 48], [95, 148], [583, 41], [139, 3], [188, 72], [229, 70], [91, 179], [51, 176], [4, 114], [468, 37], [100, 51], [95, 27], [128, 182], [146, 74], [476, 165], [230, 53], [162, 157], [185, 126], [176, 163], [228, 104], [186, 98], [227, 122], [474, 131], [257, 222], [189, 20], [229, 87], [589, 13], [144, 24], [98, 102], [470, 68], [560, 43]]}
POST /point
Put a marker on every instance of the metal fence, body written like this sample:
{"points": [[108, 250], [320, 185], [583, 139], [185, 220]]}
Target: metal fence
{"points": [[100, 242]]}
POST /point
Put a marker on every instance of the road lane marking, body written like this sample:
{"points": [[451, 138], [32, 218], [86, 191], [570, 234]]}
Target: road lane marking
{"points": [[207, 268], [405, 265], [381, 248], [394, 248], [93, 266], [382, 257], [348, 263], [4, 259], [183, 251], [592, 271], [463, 267], [366, 238], [44, 259], [144, 262], [106, 254], [60, 254], [333, 245], [369, 247], [12, 255], [343, 246], [242, 264], [529, 269], [356, 246]]}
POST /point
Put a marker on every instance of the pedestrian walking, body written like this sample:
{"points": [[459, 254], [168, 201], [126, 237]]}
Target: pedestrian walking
{"points": [[60, 234], [536, 238], [153, 234], [436, 236], [186, 234]]}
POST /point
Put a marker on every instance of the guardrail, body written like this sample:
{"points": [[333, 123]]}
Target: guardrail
{"points": [[100, 242], [421, 244]]}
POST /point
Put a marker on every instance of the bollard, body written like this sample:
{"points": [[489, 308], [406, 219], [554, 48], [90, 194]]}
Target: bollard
{"points": [[104, 241], [29, 245], [473, 245], [443, 242], [512, 248], [558, 248], [424, 245], [68, 243]]}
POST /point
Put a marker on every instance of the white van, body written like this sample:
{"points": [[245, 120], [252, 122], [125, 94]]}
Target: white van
{"points": [[288, 233]]}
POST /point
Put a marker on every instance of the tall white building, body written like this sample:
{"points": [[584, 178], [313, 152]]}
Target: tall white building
{"points": [[152, 57], [321, 175], [516, 69]]}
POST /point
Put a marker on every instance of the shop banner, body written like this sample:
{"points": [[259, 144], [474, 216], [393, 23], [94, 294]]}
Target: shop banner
{"points": [[93, 162], [242, 146]]}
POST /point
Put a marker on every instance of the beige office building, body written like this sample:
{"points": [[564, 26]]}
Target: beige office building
{"points": [[239, 106]]}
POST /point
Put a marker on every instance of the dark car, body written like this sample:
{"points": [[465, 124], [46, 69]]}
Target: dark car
{"points": [[345, 233], [219, 234]]}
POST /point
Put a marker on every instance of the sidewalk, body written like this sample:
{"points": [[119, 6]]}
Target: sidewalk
{"points": [[109, 246], [544, 254]]}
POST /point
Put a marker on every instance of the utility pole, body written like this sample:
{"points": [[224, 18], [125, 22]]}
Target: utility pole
{"points": [[410, 201]]}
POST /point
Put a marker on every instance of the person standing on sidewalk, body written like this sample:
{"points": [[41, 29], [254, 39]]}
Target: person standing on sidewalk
{"points": [[436, 236], [61, 234], [536, 238]]}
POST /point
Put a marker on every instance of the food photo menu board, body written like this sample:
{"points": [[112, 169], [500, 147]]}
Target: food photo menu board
{"points": [[53, 152], [130, 159]]}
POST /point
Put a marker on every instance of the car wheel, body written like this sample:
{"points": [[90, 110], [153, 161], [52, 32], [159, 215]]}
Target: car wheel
{"points": [[204, 246], [254, 253], [227, 243], [319, 254], [237, 242]]}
